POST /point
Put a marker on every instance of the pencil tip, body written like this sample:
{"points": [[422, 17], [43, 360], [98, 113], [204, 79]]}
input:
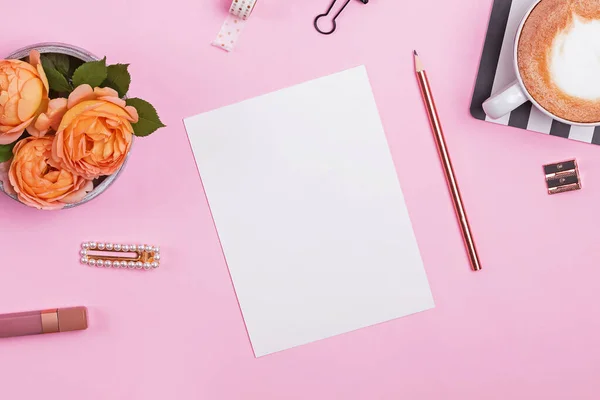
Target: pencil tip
{"points": [[418, 63]]}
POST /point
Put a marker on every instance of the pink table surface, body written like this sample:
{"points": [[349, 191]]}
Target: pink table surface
{"points": [[525, 327]]}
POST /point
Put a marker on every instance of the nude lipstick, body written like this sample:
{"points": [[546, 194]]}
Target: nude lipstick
{"points": [[46, 321]]}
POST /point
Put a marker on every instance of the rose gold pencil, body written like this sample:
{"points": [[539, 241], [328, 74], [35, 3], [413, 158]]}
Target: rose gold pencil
{"points": [[436, 127]]}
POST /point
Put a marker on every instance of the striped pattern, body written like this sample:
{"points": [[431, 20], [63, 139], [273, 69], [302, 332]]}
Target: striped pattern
{"points": [[496, 72]]}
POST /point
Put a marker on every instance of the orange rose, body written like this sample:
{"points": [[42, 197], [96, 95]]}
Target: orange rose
{"points": [[95, 134], [39, 181], [23, 95]]}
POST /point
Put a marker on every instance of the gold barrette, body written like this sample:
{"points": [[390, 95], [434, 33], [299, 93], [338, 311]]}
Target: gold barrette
{"points": [[132, 256]]}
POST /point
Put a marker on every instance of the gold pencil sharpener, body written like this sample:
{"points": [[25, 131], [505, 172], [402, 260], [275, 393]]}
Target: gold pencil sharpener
{"points": [[562, 177]]}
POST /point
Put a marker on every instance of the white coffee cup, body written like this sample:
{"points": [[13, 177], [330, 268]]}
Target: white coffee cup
{"points": [[515, 94]]}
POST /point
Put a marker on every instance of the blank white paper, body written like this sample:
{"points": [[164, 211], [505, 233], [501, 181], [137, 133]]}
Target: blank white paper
{"points": [[309, 211]]}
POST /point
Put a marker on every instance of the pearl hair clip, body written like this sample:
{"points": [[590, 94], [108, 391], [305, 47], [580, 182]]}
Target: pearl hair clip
{"points": [[98, 254]]}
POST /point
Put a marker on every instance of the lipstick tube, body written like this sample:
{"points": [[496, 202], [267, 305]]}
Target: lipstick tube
{"points": [[46, 321]]}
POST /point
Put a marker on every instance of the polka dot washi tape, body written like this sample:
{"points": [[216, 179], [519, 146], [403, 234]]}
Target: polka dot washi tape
{"points": [[239, 12]]}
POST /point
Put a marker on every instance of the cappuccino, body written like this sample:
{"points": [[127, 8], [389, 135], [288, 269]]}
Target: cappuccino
{"points": [[558, 57]]}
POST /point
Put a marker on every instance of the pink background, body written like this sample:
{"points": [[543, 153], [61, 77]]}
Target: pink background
{"points": [[525, 327]]}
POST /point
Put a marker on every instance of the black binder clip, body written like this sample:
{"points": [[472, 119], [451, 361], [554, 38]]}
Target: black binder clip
{"points": [[334, 26], [562, 177]]}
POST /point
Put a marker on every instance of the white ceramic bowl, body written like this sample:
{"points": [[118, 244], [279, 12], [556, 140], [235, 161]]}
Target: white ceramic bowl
{"points": [[102, 183]]}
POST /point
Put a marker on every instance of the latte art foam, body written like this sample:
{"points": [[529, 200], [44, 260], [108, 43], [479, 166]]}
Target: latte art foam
{"points": [[575, 59], [558, 57]]}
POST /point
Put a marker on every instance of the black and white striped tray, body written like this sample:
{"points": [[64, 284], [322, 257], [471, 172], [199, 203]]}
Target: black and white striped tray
{"points": [[496, 71]]}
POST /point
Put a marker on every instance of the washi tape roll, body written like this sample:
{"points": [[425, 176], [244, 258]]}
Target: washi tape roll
{"points": [[239, 12]]}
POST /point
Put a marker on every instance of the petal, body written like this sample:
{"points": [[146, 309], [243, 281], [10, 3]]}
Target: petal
{"points": [[113, 123], [115, 100], [78, 195], [57, 147], [56, 110], [32, 89], [31, 97], [57, 105], [43, 78], [35, 58], [21, 127], [6, 185], [13, 86], [26, 109], [19, 145], [106, 92], [40, 127], [14, 133], [133, 114], [81, 93]]}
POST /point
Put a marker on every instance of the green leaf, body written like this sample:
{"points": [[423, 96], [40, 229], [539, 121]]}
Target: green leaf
{"points": [[149, 120], [118, 78], [56, 80], [59, 62], [6, 151], [92, 72], [73, 65]]}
